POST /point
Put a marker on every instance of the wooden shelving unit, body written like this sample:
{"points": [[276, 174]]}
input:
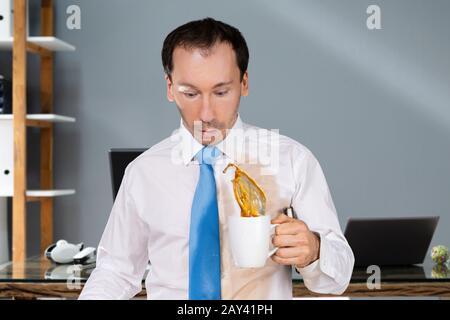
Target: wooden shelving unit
{"points": [[43, 46]]}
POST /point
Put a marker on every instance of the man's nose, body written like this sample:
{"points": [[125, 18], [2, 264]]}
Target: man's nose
{"points": [[206, 113]]}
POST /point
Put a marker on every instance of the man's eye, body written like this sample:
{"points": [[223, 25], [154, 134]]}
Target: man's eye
{"points": [[190, 94], [221, 93]]}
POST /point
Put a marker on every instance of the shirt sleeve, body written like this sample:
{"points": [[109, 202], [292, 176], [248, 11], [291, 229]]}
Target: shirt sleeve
{"points": [[122, 252], [312, 202]]}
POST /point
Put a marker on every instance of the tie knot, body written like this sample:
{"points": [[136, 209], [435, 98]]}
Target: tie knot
{"points": [[207, 155]]}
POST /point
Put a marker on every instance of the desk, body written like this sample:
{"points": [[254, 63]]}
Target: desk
{"points": [[39, 278]]}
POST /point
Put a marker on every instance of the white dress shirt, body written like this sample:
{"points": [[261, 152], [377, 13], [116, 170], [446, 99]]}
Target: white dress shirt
{"points": [[149, 221]]}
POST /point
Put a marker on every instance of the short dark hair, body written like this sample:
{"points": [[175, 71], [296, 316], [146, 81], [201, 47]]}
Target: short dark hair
{"points": [[204, 34]]}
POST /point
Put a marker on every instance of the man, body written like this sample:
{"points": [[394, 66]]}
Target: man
{"points": [[173, 203]]}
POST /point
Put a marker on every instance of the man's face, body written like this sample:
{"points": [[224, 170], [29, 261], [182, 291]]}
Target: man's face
{"points": [[206, 88]]}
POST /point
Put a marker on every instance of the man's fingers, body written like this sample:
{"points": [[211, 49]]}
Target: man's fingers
{"points": [[287, 240], [290, 252], [281, 218], [292, 227], [287, 261]]}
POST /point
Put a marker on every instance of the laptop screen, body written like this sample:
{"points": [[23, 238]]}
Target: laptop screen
{"points": [[118, 162]]}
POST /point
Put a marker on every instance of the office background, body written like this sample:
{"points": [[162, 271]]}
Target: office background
{"points": [[372, 105]]}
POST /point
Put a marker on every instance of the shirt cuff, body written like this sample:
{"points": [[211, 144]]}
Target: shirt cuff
{"points": [[321, 265], [311, 270]]}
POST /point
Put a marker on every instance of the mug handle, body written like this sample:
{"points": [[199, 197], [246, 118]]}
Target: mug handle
{"points": [[271, 252]]}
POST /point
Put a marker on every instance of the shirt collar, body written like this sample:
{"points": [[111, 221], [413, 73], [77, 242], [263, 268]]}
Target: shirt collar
{"points": [[231, 146]]}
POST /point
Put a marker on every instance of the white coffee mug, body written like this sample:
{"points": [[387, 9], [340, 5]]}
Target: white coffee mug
{"points": [[250, 240]]}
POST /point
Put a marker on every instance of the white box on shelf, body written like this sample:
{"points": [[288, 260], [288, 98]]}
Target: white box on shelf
{"points": [[6, 159]]}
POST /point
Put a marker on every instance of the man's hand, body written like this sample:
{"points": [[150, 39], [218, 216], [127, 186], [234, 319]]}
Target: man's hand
{"points": [[297, 244]]}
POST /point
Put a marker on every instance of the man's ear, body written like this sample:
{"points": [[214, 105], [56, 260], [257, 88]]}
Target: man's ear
{"points": [[244, 84], [170, 96]]}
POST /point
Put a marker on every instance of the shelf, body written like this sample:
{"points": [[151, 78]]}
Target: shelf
{"points": [[31, 194], [50, 117], [48, 43], [49, 193]]}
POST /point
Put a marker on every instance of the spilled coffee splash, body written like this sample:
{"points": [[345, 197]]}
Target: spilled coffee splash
{"points": [[249, 195]]}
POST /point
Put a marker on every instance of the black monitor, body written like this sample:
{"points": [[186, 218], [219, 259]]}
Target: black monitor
{"points": [[119, 158], [390, 241]]}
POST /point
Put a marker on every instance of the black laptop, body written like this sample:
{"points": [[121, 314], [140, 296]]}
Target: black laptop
{"points": [[390, 241]]}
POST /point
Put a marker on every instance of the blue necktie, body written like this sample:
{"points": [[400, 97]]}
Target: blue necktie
{"points": [[204, 241]]}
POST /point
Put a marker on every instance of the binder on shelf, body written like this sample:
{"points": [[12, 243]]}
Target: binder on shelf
{"points": [[7, 19], [5, 96], [7, 156], [6, 159], [6, 26]]}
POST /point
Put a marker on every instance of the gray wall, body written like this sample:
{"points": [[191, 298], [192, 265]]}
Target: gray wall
{"points": [[373, 106]]}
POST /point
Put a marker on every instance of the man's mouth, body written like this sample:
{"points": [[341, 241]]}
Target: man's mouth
{"points": [[208, 130], [209, 134]]}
